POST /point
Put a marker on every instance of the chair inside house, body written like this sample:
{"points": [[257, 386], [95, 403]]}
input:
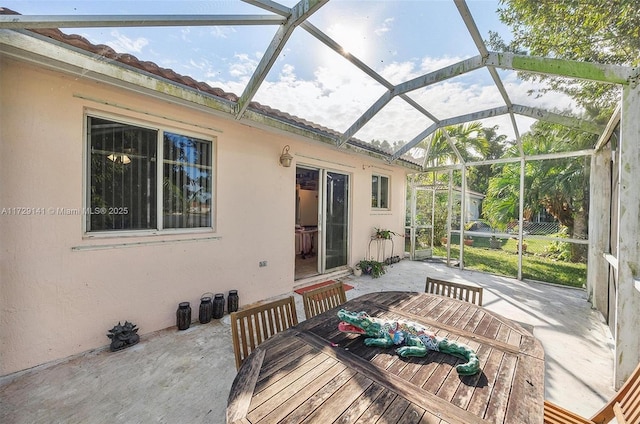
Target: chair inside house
{"points": [[323, 298], [458, 291], [254, 325], [624, 407]]}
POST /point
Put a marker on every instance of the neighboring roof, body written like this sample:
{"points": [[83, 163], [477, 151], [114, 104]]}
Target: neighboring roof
{"points": [[102, 50]]}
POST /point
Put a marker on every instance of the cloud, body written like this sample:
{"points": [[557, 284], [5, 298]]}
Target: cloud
{"points": [[222, 32], [124, 44], [385, 27], [243, 67]]}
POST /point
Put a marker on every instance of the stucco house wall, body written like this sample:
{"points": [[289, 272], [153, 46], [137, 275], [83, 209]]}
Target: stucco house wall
{"points": [[61, 291]]}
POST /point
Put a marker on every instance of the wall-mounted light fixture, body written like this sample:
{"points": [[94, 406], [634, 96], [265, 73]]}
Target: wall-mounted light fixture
{"points": [[285, 157]]}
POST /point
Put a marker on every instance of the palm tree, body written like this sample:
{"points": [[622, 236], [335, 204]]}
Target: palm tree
{"points": [[558, 185], [469, 140]]}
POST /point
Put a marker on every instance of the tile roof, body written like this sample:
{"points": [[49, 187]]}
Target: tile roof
{"points": [[82, 43]]}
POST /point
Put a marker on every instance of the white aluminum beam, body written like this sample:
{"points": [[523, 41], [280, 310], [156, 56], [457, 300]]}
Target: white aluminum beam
{"points": [[453, 146], [97, 21], [475, 116], [608, 131], [546, 156], [271, 6], [627, 301], [440, 75], [484, 114], [556, 118], [414, 142], [591, 71], [599, 231], [366, 117], [299, 13]]}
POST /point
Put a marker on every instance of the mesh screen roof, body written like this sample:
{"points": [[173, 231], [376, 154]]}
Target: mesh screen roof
{"points": [[387, 72]]}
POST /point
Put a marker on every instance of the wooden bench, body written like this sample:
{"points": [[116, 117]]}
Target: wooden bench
{"points": [[323, 298], [624, 407], [458, 291], [254, 325]]}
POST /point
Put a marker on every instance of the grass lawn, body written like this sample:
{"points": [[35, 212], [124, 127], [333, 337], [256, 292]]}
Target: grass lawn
{"points": [[504, 261]]}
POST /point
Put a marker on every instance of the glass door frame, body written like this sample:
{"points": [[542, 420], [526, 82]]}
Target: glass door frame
{"points": [[322, 220]]}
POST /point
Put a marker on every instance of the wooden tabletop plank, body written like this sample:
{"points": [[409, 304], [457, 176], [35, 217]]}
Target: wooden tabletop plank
{"points": [[356, 409], [493, 328], [340, 400], [241, 393], [307, 407], [501, 390], [395, 411], [373, 414], [450, 313], [413, 414], [472, 324], [284, 361], [279, 383], [480, 398], [466, 317], [461, 310], [439, 376], [450, 384], [465, 392], [527, 384], [504, 335], [429, 418], [285, 403], [531, 347]]}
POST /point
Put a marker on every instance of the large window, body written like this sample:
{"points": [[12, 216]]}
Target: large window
{"points": [[128, 191], [379, 192]]}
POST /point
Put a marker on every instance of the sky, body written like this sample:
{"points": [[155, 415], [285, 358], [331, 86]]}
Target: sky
{"points": [[399, 39]]}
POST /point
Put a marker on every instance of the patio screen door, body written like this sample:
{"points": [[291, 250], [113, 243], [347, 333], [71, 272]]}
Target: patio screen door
{"points": [[419, 225], [336, 220]]}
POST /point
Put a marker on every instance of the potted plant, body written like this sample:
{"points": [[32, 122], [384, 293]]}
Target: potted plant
{"points": [[468, 241], [357, 271], [374, 268], [384, 234], [495, 243]]}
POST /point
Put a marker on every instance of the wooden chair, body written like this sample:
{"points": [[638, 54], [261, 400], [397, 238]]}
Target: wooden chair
{"points": [[252, 326], [625, 407], [464, 292], [323, 298]]}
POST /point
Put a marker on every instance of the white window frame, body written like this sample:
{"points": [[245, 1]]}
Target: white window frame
{"points": [[161, 129], [379, 194]]}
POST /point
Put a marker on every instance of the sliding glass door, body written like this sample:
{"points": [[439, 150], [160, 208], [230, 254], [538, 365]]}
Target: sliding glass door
{"points": [[336, 220]]}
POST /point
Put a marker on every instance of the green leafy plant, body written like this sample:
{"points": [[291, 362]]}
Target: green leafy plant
{"points": [[374, 268], [384, 234]]}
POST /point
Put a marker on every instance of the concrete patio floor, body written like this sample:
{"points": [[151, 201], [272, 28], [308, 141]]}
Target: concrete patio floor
{"points": [[185, 377]]}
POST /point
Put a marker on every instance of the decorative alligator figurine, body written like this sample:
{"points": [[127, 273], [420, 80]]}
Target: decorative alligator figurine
{"points": [[417, 340]]}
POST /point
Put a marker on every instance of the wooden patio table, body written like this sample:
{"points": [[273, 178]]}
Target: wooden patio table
{"points": [[313, 373]]}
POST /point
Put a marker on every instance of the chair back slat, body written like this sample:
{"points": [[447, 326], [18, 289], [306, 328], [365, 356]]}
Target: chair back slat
{"points": [[629, 399], [624, 407], [472, 294], [252, 326], [323, 298]]}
